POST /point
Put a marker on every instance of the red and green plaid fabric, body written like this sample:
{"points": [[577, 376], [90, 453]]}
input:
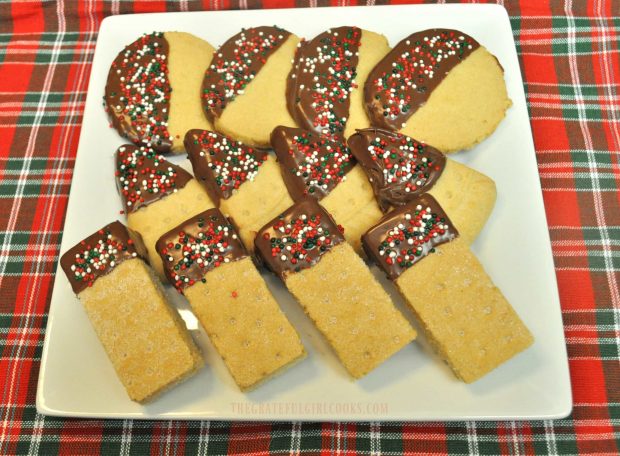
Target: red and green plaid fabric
{"points": [[569, 53]]}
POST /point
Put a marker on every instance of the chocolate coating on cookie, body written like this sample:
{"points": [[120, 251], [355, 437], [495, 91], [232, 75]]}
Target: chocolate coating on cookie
{"points": [[235, 64], [398, 167], [137, 92], [408, 234], [99, 253], [405, 78], [311, 164], [321, 80], [220, 163], [143, 176], [198, 245], [297, 238]]}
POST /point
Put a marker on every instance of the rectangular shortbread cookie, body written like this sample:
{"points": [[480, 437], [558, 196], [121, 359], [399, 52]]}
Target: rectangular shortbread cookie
{"points": [[334, 286], [464, 315], [143, 336], [204, 258]]}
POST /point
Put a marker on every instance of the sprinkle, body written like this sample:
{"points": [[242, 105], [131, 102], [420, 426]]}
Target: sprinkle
{"points": [[330, 61], [141, 103], [304, 238], [98, 257], [142, 174], [231, 162], [225, 79], [403, 161], [412, 70], [413, 238], [323, 164], [211, 245]]}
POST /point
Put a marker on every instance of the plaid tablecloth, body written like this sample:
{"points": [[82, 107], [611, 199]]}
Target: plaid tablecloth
{"points": [[569, 53]]}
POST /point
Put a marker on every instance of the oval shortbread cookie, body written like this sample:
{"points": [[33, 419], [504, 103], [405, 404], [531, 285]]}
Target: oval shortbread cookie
{"points": [[243, 88], [323, 90], [153, 86], [439, 86]]}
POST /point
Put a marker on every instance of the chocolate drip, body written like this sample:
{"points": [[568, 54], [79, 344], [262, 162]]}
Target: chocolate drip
{"points": [[414, 68], [398, 167], [319, 85], [408, 234], [143, 176], [220, 163], [311, 164], [137, 92], [235, 64], [198, 245], [297, 238], [100, 253]]}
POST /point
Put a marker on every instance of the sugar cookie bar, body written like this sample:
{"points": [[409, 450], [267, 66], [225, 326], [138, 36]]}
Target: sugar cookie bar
{"points": [[153, 86], [306, 249], [400, 168], [316, 166], [143, 336], [464, 315], [324, 88], [205, 260], [157, 195], [244, 182], [243, 91], [440, 86]]}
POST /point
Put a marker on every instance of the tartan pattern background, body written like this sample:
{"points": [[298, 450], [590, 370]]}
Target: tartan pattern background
{"points": [[570, 58]]}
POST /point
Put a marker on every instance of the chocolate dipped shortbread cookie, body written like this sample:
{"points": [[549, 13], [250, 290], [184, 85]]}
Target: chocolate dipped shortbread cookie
{"points": [[244, 182], [315, 165], [400, 168], [305, 248], [205, 260], [157, 195], [465, 316], [439, 86], [152, 93], [243, 91], [324, 92], [143, 336]]}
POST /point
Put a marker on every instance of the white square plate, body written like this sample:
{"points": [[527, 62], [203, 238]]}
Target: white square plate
{"points": [[77, 379]]}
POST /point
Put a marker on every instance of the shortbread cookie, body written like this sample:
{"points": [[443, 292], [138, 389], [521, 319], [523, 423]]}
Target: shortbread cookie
{"points": [[205, 260], [400, 168], [331, 282], [244, 182], [316, 166], [157, 195], [152, 94], [439, 86], [324, 90], [143, 336], [464, 315], [243, 92]]}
